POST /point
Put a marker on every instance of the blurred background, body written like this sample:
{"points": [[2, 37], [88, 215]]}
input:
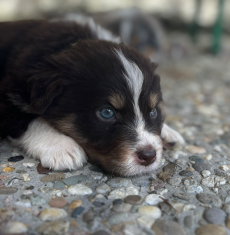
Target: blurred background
{"points": [[189, 39], [160, 29]]}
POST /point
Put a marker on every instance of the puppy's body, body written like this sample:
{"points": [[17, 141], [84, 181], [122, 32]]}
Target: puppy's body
{"points": [[67, 90]]}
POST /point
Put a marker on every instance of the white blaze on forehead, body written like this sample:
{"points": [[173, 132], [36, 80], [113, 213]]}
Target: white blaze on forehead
{"points": [[134, 78]]}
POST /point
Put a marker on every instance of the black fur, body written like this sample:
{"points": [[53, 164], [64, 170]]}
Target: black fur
{"points": [[52, 70]]}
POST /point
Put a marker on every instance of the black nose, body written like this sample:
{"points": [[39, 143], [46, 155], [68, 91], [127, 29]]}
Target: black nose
{"points": [[146, 157]]}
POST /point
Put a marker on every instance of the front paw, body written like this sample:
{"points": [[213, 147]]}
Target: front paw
{"points": [[63, 156], [171, 137]]}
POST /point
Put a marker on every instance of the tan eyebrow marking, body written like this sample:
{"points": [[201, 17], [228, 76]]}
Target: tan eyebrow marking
{"points": [[154, 98], [117, 100]]}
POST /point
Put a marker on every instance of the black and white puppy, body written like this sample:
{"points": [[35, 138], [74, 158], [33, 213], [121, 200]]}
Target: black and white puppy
{"points": [[70, 92]]}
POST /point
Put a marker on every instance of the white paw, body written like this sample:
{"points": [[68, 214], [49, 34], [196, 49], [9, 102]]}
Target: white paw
{"points": [[171, 136], [55, 150], [65, 155]]}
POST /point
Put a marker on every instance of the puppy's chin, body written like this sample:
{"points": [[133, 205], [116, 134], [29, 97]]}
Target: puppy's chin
{"points": [[126, 164]]}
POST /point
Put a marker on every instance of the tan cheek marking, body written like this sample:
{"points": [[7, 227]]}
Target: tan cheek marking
{"points": [[117, 100], [153, 100]]}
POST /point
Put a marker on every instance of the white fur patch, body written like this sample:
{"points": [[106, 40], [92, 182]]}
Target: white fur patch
{"points": [[134, 78], [100, 32], [170, 135], [55, 150]]}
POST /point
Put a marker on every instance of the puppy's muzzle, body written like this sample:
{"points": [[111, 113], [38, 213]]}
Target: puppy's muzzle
{"points": [[146, 157]]}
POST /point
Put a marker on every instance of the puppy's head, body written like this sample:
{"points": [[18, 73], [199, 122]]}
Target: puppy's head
{"points": [[109, 100]]}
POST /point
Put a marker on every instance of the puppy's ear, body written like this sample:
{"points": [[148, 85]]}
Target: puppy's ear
{"points": [[43, 93]]}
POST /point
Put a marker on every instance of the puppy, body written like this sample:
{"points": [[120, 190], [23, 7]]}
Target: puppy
{"points": [[70, 92]]}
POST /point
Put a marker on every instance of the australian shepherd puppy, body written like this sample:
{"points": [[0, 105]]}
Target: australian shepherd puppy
{"points": [[70, 92]]}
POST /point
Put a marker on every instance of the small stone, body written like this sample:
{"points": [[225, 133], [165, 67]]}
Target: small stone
{"points": [[28, 164], [227, 222], [75, 179], [225, 167], [208, 198], [195, 149], [117, 201], [23, 203], [45, 189], [104, 188], [191, 169], [220, 181], [211, 229], [194, 189], [101, 232], [59, 185], [190, 181], [170, 168], [27, 192], [59, 227], [174, 181], [215, 190], [52, 177], [30, 187], [118, 182], [15, 228], [152, 211], [208, 157], [122, 192], [26, 177], [125, 207], [186, 173], [146, 220], [215, 215], [58, 202], [209, 181], [182, 196], [88, 216], [100, 196], [51, 214], [42, 170], [74, 204], [220, 173], [77, 211], [98, 204], [79, 189], [201, 166], [164, 176], [16, 158], [8, 169], [157, 184], [189, 221], [196, 159], [205, 173], [153, 199], [37, 200], [118, 218], [164, 227], [8, 190], [133, 199]]}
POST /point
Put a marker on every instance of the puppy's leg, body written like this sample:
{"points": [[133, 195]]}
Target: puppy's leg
{"points": [[54, 149], [171, 136]]}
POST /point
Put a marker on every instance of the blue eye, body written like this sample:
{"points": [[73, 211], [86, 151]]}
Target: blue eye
{"points": [[153, 113], [107, 113]]}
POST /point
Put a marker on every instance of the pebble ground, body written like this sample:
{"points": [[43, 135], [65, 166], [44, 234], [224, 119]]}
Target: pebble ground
{"points": [[189, 194]]}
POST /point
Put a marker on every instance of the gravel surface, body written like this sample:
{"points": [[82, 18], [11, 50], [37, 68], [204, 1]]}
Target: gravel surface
{"points": [[189, 194]]}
